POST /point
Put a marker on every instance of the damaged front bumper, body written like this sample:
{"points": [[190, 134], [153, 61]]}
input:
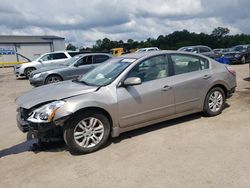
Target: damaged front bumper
{"points": [[40, 130]]}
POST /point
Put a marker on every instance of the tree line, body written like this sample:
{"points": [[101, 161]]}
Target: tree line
{"points": [[219, 38]]}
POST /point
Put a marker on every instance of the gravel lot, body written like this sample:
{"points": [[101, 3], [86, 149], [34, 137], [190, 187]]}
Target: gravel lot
{"points": [[192, 151]]}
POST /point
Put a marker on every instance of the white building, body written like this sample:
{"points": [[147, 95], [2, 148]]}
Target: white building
{"points": [[13, 48]]}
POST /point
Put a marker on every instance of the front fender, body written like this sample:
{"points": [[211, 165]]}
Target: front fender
{"points": [[102, 99]]}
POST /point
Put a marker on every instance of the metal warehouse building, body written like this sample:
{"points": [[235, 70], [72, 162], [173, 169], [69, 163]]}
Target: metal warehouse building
{"points": [[16, 48]]}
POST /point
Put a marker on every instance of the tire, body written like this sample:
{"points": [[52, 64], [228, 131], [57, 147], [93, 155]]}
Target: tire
{"points": [[243, 60], [79, 133], [28, 71], [214, 102], [53, 79], [30, 136]]}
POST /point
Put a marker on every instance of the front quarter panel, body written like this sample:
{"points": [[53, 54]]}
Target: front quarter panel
{"points": [[104, 98]]}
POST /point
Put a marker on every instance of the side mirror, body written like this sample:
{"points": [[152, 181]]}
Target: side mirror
{"points": [[76, 65], [40, 61], [132, 81]]}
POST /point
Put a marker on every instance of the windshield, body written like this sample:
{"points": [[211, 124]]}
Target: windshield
{"points": [[106, 73], [238, 48]]}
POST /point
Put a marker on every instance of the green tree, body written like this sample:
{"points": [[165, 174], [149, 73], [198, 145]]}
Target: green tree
{"points": [[71, 47], [220, 32]]}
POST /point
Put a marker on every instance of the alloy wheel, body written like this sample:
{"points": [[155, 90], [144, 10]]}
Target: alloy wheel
{"points": [[89, 132], [215, 101]]}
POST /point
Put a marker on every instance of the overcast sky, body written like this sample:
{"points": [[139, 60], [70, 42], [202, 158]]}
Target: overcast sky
{"points": [[83, 22]]}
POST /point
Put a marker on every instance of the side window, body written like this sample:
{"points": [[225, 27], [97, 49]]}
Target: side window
{"points": [[196, 50], [46, 57], [86, 60], [204, 49], [185, 63], [58, 56], [151, 69], [100, 58]]}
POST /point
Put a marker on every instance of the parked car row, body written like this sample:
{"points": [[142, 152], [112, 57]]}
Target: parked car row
{"points": [[70, 69], [235, 55], [48, 59], [121, 94], [238, 54]]}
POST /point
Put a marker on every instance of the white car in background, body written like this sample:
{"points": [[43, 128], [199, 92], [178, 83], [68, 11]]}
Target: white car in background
{"points": [[48, 59], [148, 49]]}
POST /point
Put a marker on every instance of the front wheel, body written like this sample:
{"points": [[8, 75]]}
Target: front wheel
{"points": [[214, 102], [87, 132], [53, 79], [28, 71]]}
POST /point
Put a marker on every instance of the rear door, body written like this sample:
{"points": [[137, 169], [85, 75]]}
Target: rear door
{"points": [[190, 82]]}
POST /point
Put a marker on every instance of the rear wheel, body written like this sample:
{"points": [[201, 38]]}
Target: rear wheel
{"points": [[53, 79], [214, 102], [88, 132], [28, 71]]}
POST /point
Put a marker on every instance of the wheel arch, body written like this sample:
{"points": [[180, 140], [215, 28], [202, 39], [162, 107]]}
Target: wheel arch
{"points": [[223, 87], [95, 109], [220, 85], [25, 69], [53, 74]]}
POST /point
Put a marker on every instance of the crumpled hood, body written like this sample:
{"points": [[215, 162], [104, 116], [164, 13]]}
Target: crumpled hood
{"points": [[52, 92]]}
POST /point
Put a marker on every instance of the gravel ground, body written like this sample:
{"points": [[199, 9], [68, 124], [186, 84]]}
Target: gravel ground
{"points": [[191, 151]]}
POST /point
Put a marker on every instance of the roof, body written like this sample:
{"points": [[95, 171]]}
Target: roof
{"points": [[28, 38], [138, 55]]}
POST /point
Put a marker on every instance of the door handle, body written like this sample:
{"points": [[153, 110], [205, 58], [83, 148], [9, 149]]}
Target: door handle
{"points": [[207, 76], [166, 87]]}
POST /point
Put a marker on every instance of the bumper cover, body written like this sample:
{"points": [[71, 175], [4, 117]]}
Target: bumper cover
{"points": [[36, 83], [230, 92]]}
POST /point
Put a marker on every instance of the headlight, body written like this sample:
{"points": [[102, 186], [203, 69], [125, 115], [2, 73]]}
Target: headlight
{"points": [[46, 113], [37, 75]]}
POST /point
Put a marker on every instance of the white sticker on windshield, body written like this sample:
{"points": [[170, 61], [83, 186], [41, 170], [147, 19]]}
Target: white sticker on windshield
{"points": [[128, 60]]}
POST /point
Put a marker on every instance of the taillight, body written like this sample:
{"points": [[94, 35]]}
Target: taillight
{"points": [[231, 70]]}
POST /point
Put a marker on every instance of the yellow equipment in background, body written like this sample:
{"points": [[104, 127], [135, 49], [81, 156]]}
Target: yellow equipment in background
{"points": [[117, 51]]}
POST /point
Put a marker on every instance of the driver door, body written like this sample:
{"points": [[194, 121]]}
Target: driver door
{"points": [[82, 66], [151, 100]]}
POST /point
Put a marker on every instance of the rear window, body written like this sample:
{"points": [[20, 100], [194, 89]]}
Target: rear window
{"points": [[58, 56], [100, 58], [204, 49], [186, 63]]}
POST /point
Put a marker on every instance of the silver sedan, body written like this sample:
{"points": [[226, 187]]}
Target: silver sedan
{"points": [[68, 70], [126, 93]]}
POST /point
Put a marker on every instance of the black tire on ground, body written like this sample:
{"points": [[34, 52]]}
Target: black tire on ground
{"points": [[28, 71], [214, 102], [53, 79], [29, 136], [79, 144]]}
